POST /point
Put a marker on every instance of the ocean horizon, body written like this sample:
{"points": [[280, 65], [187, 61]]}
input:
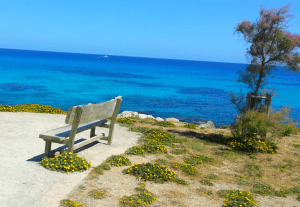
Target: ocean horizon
{"points": [[189, 90]]}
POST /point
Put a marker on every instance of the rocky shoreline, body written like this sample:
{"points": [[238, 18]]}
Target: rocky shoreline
{"points": [[124, 114]]}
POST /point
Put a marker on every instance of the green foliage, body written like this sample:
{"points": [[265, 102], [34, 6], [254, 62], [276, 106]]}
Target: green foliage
{"points": [[100, 168], [69, 203], [225, 127], [143, 198], [117, 160], [96, 194], [211, 176], [152, 172], [179, 151], [66, 162], [236, 198], [135, 150], [165, 124], [198, 159], [126, 120], [34, 108], [186, 168], [154, 147], [207, 182], [254, 123], [191, 126], [161, 136]]}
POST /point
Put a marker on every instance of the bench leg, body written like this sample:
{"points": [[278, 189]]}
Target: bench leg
{"points": [[47, 149], [93, 130]]}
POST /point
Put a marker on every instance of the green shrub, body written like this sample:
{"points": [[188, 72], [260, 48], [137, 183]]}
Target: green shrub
{"points": [[198, 159], [96, 194], [254, 123], [179, 151], [69, 203], [237, 198], [186, 168], [154, 147], [225, 127], [151, 171], [34, 108], [100, 168], [165, 124], [191, 126], [161, 136], [117, 160], [143, 198], [66, 162], [135, 150], [126, 120]]}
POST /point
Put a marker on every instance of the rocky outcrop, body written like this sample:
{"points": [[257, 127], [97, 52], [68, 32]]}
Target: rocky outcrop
{"points": [[172, 119], [208, 124], [142, 116], [124, 114], [127, 114], [159, 119]]}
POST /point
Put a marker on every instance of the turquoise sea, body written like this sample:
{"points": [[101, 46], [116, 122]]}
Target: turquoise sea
{"points": [[192, 91]]}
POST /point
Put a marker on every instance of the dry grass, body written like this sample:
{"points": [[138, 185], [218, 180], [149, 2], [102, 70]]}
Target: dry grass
{"points": [[230, 170]]}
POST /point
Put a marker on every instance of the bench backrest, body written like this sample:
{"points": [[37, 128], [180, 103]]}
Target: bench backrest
{"points": [[93, 112]]}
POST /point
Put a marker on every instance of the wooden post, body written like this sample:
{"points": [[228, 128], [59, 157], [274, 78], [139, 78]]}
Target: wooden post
{"points": [[93, 130], [268, 103], [248, 101], [47, 149], [113, 119], [74, 129]]}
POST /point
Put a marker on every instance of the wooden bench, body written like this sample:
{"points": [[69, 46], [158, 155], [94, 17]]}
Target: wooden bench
{"points": [[81, 118]]}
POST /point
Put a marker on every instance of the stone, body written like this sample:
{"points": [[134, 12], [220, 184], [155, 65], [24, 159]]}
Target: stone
{"points": [[144, 116], [125, 114], [159, 119], [135, 114], [208, 124], [172, 119]]}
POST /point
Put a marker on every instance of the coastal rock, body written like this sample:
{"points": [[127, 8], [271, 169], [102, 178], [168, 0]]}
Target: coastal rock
{"points": [[125, 114], [208, 124], [135, 114], [144, 116], [159, 119], [172, 119]]}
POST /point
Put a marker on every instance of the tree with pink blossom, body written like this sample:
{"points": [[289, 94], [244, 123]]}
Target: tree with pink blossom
{"points": [[271, 44]]}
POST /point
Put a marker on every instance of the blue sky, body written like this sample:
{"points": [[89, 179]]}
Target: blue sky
{"points": [[177, 29]]}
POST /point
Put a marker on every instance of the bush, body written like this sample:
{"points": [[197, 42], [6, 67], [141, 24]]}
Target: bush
{"points": [[254, 123], [191, 126], [126, 120], [66, 162], [152, 172], [33, 108], [165, 124]]}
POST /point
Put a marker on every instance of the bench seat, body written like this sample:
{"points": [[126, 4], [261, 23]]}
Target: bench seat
{"points": [[60, 135], [80, 118]]}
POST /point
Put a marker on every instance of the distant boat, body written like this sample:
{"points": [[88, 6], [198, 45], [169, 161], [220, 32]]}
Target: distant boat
{"points": [[104, 56]]}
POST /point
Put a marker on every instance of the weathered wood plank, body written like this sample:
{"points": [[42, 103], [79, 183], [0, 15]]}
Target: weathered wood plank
{"points": [[93, 130], [66, 130], [81, 144], [92, 112], [60, 140], [75, 124], [47, 149], [113, 120]]}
